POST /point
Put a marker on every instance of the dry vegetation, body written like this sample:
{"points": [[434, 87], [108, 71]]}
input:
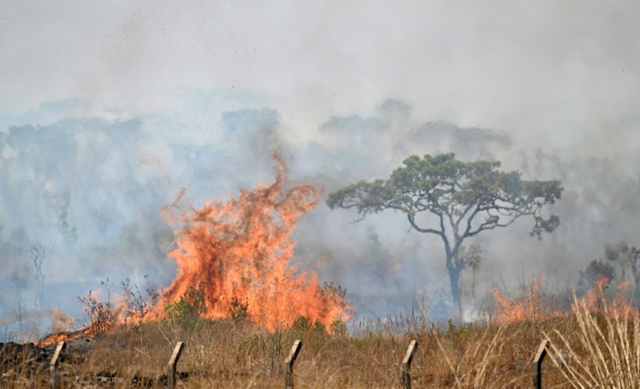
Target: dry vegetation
{"points": [[593, 345], [587, 350]]}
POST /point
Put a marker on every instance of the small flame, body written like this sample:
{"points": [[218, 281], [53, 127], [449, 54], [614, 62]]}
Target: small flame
{"points": [[526, 308], [529, 306]]}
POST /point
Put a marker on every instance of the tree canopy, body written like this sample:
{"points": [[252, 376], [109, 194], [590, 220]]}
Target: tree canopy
{"points": [[466, 199]]}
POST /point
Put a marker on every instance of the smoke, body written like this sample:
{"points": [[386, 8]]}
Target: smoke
{"points": [[143, 100], [92, 188]]}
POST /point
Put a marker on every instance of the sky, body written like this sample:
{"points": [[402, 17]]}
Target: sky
{"points": [[108, 109], [522, 67]]}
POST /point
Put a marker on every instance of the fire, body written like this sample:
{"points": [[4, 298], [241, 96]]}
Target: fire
{"points": [[596, 295], [101, 319], [66, 336], [530, 308], [240, 251], [596, 300], [526, 308], [61, 322]]}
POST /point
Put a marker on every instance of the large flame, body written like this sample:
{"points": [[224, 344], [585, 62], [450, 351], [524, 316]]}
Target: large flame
{"points": [[240, 251]]}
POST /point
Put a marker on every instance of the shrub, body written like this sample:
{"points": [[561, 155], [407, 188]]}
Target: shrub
{"points": [[457, 334], [238, 310], [188, 311], [135, 306], [339, 328], [305, 324], [302, 324], [101, 315]]}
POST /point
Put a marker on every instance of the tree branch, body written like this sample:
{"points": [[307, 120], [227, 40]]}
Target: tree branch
{"points": [[423, 230]]}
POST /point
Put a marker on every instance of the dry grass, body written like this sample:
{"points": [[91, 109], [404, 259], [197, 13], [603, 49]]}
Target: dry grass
{"points": [[607, 343], [588, 349], [221, 354]]}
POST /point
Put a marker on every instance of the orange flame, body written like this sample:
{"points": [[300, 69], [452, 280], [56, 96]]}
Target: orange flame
{"points": [[596, 295], [240, 250], [526, 308], [530, 308], [596, 300]]}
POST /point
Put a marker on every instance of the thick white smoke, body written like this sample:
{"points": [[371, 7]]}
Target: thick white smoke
{"points": [[109, 110]]}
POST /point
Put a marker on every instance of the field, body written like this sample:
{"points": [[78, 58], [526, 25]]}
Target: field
{"points": [[588, 348]]}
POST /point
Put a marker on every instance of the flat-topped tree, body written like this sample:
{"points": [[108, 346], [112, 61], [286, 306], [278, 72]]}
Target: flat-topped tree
{"points": [[464, 199]]}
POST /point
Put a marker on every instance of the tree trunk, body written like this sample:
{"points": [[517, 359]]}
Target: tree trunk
{"points": [[454, 278], [473, 286]]}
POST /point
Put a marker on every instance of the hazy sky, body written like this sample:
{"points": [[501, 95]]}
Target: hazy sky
{"points": [[524, 67], [109, 108]]}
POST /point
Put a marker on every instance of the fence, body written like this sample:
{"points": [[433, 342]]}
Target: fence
{"points": [[172, 365]]}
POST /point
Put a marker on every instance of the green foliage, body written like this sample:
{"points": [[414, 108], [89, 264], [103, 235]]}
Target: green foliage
{"points": [[319, 327], [470, 257], [464, 198], [447, 187], [305, 324], [339, 328], [624, 255], [457, 334], [302, 323], [187, 312]]}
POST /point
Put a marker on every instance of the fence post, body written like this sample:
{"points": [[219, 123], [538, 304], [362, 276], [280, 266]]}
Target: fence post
{"points": [[173, 365], [537, 364], [406, 364], [53, 365], [288, 364]]}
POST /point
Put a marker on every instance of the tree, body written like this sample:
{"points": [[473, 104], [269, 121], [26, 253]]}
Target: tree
{"points": [[463, 199], [39, 251], [625, 255], [471, 257], [596, 271]]}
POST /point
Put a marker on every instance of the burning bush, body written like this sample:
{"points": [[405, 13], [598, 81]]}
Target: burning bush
{"points": [[101, 315], [135, 307], [240, 251], [188, 310]]}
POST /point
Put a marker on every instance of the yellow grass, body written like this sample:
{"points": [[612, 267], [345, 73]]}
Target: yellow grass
{"points": [[222, 354], [587, 349]]}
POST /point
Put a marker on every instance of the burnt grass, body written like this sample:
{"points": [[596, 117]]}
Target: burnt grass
{"points": [[227, 354], [28, 365]]}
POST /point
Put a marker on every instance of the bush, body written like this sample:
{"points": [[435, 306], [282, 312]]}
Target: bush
{"points": [[101, 315], [238, 310], [302, 324], [136, 307], [457, 334], [339, 328], [188, 311], [305, 324]]}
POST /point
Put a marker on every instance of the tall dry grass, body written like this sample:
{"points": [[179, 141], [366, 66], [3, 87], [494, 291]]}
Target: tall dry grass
{"points": [[224, 354], [587, 349], [607, 345]]}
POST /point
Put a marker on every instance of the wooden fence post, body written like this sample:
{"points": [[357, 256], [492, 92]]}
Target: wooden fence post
{"points": [[53, 365], [288, 364], [173, 365], [537, 364], [406, 364]]}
